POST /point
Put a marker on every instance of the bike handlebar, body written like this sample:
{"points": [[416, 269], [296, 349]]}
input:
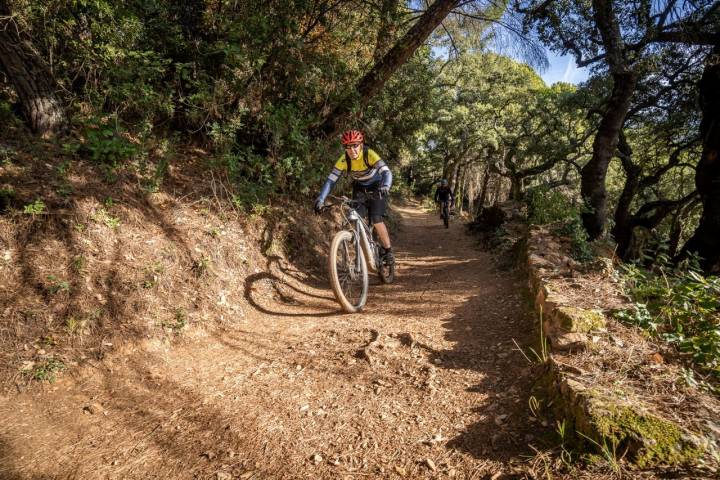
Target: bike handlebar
{"points": [[344, 200]]}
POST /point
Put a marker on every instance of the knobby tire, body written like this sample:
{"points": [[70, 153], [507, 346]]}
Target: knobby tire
{"points": [[343, 251], [385, 272]]}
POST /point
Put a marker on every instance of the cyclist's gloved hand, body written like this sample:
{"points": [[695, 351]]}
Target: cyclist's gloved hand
{"points": [[384, 191], [319, 206]]}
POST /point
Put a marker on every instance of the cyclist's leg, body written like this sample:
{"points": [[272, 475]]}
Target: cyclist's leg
{"points": [[377, 207], [383, 234]]}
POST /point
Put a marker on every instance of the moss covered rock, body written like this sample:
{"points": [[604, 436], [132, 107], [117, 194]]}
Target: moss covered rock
{"points": [[648, 439], [573, 319], [604, 420]]}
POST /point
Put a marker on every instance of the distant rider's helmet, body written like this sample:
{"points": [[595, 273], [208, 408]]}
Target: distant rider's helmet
{"points": [[443, 183], [352, 136]]}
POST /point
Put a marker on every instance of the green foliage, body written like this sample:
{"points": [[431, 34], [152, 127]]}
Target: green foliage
{"points": [[554, 207], [201, 266], [7, 195], [178, 322], [152, 274], [549, 206], [46, 370], [74, 325], [9, 120], [680, 306], [105, 143], [57, 285], [101, 215], [35, 208], [581, 248], [79, 263]]}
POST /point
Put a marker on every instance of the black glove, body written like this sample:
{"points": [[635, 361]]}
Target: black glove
{"points": [[319, 207], [384, 191]]}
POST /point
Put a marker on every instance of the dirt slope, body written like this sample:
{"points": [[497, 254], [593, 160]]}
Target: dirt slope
{"points": [[425, 383]]}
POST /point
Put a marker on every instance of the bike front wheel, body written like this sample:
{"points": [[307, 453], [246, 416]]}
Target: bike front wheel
{"points": [[348, 272]]}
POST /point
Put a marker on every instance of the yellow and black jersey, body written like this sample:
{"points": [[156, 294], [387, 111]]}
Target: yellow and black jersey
{"points": [[368, 170], [365, 170]]}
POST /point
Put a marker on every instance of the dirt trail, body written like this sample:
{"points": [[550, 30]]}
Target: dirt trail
{"points": [[426, 382]]}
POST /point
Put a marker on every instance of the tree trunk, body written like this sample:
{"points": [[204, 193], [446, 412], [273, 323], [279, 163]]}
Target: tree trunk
{"points": [[30, 77], [484, 190], [375, 79], [516, 187], [593, 174], [677, 226], [460, 187], [704, 241], [497, 190], [623, 230]]}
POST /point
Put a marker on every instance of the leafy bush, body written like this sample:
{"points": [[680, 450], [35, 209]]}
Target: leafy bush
{"points": [[57, 285], [7, 195], [7, 116], [552, 206], [105, 143], [573, 228], [678, 305]]}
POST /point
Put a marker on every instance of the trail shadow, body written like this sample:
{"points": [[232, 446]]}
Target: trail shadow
{"points": [[72, 266], [485, 342], [486, 331], [483, 331], [8, 471]]}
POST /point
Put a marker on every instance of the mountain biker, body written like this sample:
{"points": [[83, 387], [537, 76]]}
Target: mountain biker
{"points": [[371, 182], [444, 194]]}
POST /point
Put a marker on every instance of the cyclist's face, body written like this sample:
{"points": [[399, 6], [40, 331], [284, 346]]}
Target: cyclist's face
{"points": [[353, 150]]}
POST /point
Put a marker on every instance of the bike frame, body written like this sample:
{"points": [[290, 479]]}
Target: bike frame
{"points": [[354, 222], [363, 235]]}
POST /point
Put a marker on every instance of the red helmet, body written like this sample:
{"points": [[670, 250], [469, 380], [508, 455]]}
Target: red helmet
{"points": [[352, 136]]}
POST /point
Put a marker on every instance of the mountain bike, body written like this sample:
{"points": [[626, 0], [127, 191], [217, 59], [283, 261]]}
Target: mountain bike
{"points": [[353, 251], [445, 213]]}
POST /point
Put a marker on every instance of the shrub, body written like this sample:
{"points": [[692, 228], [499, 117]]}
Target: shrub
{"points": [[105, 143], [7, 195], [581, 249], [680, 306], [549, 206], [552, 206]]}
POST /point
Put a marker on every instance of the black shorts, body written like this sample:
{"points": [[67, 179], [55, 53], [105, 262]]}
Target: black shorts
{"points": [[372, 203]]}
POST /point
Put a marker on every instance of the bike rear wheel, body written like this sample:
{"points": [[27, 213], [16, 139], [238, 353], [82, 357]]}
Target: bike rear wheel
{"points": [[446, 216], [348, 272], [385, 272]]}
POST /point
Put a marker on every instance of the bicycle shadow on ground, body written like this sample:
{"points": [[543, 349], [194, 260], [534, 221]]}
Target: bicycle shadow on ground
{"points": [[269, 294]]}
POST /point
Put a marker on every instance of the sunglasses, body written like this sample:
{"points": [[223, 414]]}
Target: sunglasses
{"points": [[352, 146]]}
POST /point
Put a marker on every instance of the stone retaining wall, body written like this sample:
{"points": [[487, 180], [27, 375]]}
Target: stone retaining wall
{"points": [[598, 416]]}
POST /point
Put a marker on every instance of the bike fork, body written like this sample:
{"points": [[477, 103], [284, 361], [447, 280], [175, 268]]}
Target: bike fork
{"points": [[367, 247]]}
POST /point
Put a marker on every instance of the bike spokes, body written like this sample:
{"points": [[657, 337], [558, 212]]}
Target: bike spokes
{"points": [[350, 275]]}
